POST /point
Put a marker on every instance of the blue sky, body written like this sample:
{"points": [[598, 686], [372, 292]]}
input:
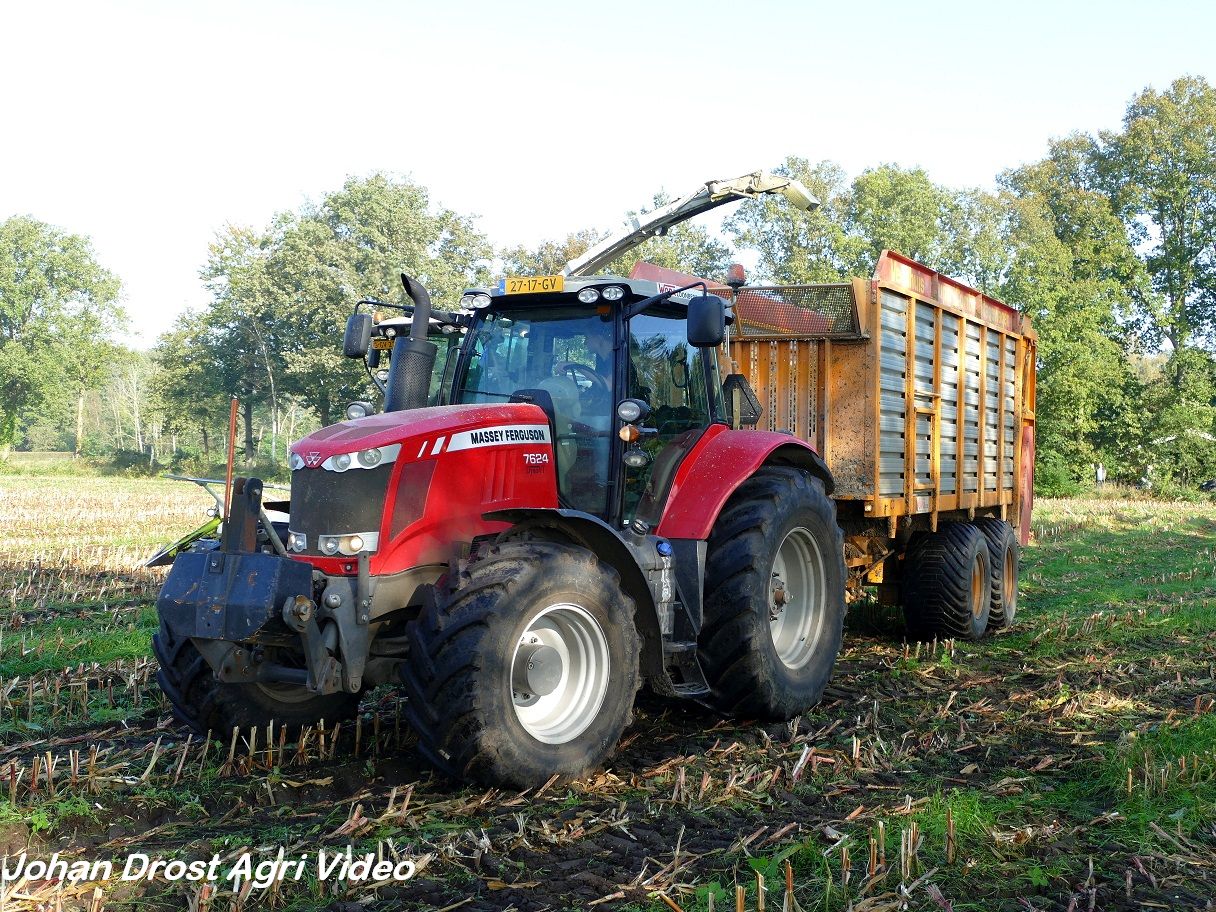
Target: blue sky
{"points": [[150, 125]]}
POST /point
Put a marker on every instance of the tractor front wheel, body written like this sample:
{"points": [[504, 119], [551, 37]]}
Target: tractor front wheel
{"points": [[528, 669], [774, 596], [207, 705]]}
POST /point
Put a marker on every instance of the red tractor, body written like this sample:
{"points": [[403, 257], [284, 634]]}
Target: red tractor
{"points": [[580, 518]]}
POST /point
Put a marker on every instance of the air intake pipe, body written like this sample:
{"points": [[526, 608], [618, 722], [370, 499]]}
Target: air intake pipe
{"points": [[409, 373]]}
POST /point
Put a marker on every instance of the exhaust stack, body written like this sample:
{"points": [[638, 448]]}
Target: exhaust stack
{"points": [[409, 372]]}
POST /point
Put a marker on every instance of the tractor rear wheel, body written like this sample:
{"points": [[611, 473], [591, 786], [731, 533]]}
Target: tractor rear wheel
{"points": [[528, 669], [1003, 555], [774, 596], [946, 584], [207, 705]]}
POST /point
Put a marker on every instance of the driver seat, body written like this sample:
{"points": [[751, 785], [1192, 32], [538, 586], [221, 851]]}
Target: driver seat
{"points": [[566, 409]]}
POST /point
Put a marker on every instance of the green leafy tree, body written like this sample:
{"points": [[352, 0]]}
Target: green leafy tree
{"points": [[900, 209], [1180, 410], [1161, 169], [1086, 408], [356, 242], [189, 394], [57, 308], [793, 246], [548, 257], [976, 244], [238, 335]]}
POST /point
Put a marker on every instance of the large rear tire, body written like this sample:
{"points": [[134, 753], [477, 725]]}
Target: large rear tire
{"points": [[946, 583], [774, 596], [528, 669], [207, 705], [1004, 558]]}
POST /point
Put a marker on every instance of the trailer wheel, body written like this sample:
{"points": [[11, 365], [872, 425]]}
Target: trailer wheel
{"points": [[1004, 555], [207, 705], [528, 669], [774, 596], [946, 583]]}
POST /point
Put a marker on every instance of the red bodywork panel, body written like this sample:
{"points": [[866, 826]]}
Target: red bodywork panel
{"points": [[721, 461], [457, 462], [1026, 504]]}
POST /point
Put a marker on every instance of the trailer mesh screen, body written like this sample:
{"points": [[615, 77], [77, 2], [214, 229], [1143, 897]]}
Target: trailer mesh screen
{"points": [[796, 311]]}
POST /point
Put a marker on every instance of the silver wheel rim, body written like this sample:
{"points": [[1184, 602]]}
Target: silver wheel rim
{"points": [[564, 653], [796, 598]]}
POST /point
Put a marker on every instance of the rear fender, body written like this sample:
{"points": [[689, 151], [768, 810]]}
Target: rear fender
{"points": [[627, 559], [716, 467]]}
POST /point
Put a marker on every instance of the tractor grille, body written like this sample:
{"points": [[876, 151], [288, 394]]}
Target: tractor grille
{"points": [[337, 503], [796, 310]]}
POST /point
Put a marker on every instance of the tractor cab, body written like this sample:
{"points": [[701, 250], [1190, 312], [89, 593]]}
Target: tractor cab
{"points": [[627, 388]]}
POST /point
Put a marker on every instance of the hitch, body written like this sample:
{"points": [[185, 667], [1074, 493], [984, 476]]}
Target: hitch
{"points": [[324, 671]]}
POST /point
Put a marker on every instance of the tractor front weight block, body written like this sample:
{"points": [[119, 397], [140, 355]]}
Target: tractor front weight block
{"points": [[220, 595], [231, 603]]}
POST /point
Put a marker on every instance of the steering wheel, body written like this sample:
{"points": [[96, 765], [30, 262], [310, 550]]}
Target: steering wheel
{"points": [[575, 368]]}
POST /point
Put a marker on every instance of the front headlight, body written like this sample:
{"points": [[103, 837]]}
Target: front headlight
{"points": [[349, 545], [357, 410], [370, 458], [295, 461]]}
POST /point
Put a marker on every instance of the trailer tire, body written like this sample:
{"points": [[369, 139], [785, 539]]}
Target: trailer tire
{"points": [[946, 583], [207, 705], [1005, 558], [768, 655], [522, 607]]}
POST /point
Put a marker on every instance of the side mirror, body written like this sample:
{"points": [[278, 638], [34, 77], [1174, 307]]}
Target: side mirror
{"points": [[358, 335], [706, 321]]}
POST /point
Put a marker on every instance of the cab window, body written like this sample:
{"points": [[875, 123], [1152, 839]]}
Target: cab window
{"points": [[669, 375], [568, 353]]}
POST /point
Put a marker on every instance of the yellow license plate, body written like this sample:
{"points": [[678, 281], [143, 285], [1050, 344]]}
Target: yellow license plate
{"points": [[383, 344], [534, 284]]}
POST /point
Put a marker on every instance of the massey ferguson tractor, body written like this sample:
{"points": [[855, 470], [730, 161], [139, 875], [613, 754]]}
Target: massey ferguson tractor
{"points": [[590, 509]]}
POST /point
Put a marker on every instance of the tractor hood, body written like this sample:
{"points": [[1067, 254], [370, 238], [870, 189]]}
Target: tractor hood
{"points": [[429, 430]]}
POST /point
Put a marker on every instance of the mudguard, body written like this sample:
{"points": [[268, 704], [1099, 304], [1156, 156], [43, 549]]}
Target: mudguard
{"points": [[721, 461]]}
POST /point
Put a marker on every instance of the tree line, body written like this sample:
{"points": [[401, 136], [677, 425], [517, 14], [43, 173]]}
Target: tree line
{"points": [[1107, 243]]}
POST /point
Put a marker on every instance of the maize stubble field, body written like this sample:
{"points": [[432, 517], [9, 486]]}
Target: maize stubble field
{"points": [[1067, 764]]}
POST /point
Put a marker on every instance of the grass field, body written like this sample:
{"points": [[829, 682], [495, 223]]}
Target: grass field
{"points": [[1068, 764]]}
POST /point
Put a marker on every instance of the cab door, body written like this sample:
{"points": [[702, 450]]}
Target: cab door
{"points": [[679, 383]]}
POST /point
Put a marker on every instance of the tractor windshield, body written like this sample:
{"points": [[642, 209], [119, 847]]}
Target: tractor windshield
{"points": [[567, 352]]}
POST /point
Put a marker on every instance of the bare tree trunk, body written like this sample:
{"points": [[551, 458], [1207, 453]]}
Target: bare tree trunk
{"points": [[291, 432], [206, 446], [139, 431], [119, 435], [79, 423], [249, 455]]}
